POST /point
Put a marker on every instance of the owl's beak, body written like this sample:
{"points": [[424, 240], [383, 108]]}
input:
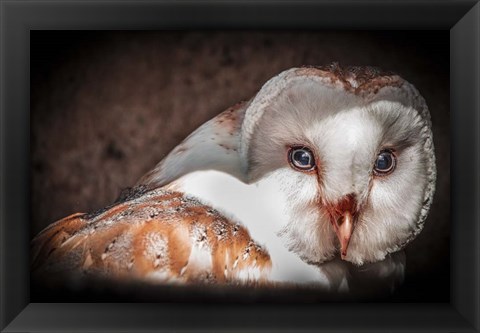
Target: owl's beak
{"points": [[344, 229], [343, 216]]}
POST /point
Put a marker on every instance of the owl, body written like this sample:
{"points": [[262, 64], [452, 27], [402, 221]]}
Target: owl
{"points": [[322, 178]]}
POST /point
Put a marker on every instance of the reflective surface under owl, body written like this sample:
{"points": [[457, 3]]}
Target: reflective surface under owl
{"points": [[321, 179]]}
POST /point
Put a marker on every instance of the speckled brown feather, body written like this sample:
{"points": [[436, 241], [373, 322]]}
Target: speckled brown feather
{"points": [[355, 79], [151, 237]]}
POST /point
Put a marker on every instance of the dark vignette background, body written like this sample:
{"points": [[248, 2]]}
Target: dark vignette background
{"points": [[107, 106]]}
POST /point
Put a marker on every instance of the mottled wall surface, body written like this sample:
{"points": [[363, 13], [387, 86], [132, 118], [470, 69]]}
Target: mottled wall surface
{"points": [[107, 106]]}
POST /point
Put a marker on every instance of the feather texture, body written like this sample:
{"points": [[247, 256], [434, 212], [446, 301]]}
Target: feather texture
{"points": [[159, 236], [213, 146]]}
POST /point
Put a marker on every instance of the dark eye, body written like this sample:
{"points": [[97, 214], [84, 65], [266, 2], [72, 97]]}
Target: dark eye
{"points": [[385, 163], [301, 158]]}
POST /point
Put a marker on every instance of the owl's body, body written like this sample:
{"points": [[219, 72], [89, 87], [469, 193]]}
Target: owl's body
{"points": [[162, 236], [331, 171]]}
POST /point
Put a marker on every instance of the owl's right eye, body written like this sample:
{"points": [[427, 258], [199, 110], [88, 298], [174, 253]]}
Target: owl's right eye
{"points": [[301, 158]]}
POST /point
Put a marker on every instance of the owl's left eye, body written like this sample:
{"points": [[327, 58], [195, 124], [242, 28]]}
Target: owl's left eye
{"points": [[301, 158], [385, 163]]}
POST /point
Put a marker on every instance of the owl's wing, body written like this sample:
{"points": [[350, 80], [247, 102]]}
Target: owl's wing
{"points": [[158, 236], [213, 146]]}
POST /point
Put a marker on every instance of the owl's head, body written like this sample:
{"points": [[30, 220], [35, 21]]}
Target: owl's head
{"points": [[352, 149]]}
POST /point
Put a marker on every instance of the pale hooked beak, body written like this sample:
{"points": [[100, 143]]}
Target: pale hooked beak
{"points": [[343, 217], [344, 228]]}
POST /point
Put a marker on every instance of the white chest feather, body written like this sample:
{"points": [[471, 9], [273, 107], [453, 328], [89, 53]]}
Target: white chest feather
{"points": [[260, 208]]}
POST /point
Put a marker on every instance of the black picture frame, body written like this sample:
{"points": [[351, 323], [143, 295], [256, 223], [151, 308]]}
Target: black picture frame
{"points": [[18, 18]]}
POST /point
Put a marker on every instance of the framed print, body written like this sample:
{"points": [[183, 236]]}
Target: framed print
{"points": [[98, 96]]}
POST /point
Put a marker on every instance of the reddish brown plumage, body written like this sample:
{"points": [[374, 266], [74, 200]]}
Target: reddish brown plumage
{"points": [[231, 119], [355, 79], [157, 236]]}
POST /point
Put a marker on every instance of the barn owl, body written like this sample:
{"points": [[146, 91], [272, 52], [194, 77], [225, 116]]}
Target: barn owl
{"points": [[322, 178]]}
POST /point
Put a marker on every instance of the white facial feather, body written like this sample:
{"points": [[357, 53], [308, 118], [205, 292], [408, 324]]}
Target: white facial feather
{"points": [[346, 144]]}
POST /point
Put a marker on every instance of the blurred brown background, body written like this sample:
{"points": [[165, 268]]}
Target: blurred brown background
{"points": [[107, 106]]}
